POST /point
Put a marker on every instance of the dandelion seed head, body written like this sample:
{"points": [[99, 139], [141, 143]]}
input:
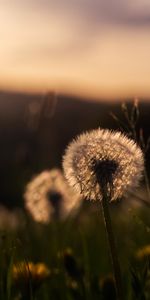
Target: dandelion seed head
{"points": [[103, 158], [48, 196]]}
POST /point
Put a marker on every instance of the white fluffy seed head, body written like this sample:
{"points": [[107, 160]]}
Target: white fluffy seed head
{"points": [[103, 158], [48, 196]]}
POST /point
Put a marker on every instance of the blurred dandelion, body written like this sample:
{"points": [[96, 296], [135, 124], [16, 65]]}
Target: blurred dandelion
{"points": [[143, 253], [140, 273], [48, 196], [102, 158], [27, 277], [25, 270], [103, 165]]}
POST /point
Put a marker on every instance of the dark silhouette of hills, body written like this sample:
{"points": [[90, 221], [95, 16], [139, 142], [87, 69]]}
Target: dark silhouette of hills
{"points": [[35, 129]]}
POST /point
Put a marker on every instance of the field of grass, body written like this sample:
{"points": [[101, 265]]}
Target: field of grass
{"points": [[76, 254], [69, 259]]}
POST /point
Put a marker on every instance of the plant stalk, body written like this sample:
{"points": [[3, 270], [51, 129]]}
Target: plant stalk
{"points": [[112, 247]]}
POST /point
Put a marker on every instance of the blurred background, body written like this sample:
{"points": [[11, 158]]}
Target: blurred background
{"points": [[96, 48], [64, 66]]}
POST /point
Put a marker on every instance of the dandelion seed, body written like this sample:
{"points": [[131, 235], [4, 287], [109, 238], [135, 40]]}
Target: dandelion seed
{"points": [[48, 196], [103, 158]]}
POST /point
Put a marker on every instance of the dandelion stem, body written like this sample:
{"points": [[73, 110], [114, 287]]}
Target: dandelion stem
{"points": [[112, 246], [147, 182]]}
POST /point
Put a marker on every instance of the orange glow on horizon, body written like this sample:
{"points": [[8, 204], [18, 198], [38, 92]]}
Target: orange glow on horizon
{"points": [[79, 91]]}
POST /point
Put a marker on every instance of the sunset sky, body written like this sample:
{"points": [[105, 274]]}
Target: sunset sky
{"points": [[95, 48]]}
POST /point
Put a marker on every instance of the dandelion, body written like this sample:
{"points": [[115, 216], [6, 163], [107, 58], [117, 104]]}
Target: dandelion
{"points": [[36, 272], [140, 273], [143, 253], [27, 277], [103, 165], [48, 196], [102, 158]]}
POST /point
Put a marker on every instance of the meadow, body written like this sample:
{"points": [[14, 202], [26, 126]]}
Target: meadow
{"points": [[68, 257]]}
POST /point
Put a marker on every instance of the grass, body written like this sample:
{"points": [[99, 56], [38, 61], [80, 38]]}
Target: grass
{"points": [[75, 253], [75, 250]]}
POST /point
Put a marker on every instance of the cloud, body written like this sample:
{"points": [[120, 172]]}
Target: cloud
{"points": [[94, 44], [95, 12], [63, 27], [29, 34]]}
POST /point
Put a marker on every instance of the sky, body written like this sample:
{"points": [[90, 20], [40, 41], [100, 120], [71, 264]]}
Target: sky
{"points": [[90, 48]]}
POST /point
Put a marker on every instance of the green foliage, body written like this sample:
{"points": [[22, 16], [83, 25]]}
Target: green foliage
{"points": [[75, 253]]}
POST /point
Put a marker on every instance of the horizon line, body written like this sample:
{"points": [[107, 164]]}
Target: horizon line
{"points": [[78, 95]]}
